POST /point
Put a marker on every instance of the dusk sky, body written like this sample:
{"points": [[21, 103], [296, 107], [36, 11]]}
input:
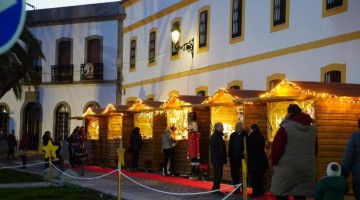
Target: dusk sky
{"points": [[42, 4]]}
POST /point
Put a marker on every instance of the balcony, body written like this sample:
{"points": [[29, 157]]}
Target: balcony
{"points": [[91, 71], [62, 73]]}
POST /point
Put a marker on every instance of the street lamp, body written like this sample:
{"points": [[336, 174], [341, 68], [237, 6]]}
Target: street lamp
{"points": [[189, 46]]}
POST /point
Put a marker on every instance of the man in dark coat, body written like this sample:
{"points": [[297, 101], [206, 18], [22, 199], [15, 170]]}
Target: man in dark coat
{"points": [[351, 161], [217, 156], [11, 140], [236, 152]]}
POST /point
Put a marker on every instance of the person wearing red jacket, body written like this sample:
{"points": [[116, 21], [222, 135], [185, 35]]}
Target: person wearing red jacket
{"points": [[293, 156]]}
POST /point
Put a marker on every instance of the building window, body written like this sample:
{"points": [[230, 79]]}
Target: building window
{"points": [[273, 80], [32, 124], [235, 87], [93, 51], [235, 84], [236, 25], [203, 29], [274, 83], [174, 51], [333, 77], [4, 121], [201, 93], [279, 15], [333, 4], [61, 122], [35, 58], [335, 73], [132, 53], [333, 7], [150, 97], [64, 52], [279, 12], [152, 48], [63, 70]]}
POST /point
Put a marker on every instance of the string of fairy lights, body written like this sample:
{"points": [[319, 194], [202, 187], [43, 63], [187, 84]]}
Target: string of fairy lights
{"points": [[321, 95]]}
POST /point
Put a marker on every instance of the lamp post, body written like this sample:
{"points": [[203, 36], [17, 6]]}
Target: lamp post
{"points": [[188, 46]]}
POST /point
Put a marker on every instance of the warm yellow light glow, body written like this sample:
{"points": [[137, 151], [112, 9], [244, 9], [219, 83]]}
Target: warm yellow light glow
{"points": [[175, 35], [220, 96], [89, 111], [279, 89], [139, 105], [109, 108]]}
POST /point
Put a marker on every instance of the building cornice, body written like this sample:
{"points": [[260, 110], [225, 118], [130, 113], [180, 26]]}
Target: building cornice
{"points": [[76, 14]]}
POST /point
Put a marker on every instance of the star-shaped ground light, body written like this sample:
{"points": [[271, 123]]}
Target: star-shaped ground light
{"points": [[50, 149], [120, 152]]}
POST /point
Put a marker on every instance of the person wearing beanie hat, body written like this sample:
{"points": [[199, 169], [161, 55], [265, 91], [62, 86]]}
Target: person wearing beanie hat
{"points": [[333, 186]]}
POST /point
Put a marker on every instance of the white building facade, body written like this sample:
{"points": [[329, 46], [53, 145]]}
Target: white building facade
{"points": [[241, 44], [81, 48]]}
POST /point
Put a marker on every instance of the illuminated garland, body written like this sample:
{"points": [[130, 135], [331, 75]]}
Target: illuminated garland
{"points": [[109, 108], [326, 96], [221, 91], [89, 111], [139, 105], [173, 98]]}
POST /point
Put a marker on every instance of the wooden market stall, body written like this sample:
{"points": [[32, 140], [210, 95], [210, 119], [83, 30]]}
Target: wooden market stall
{"points": [[177, 109], [334, 106], [223, 109], [105, 128], [151, 121]]}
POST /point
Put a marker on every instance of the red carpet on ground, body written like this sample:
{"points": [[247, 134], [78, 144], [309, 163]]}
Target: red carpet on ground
{"points": [[206, 185]]}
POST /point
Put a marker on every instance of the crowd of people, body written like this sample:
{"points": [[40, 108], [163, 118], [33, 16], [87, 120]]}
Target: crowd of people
{"points": [[293, 157]]}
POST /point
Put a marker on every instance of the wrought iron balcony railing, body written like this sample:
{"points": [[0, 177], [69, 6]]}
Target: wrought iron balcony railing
{"points": [[62, 73], [91, 71]]}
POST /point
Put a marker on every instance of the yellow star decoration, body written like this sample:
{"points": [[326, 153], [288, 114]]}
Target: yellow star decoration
{"points": [[120, 152], [50, 149]]}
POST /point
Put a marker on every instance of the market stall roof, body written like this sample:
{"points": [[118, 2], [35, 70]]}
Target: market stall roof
{"points": [[302, 90], [182, 101], [227, 96], [140, 105], [90, 113]]}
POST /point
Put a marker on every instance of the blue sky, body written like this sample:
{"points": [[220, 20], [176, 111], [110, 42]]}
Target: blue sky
{"points": [[42, 4]]}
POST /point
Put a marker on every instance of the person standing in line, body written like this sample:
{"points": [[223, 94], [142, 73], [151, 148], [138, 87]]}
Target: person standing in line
{"points": [[135, 147], [256, 159], [218, 156], [45, 140], [23, 146], [236, 152], [351, 161], [293, 156], [333, 186], [168, 150], [11, 140]]}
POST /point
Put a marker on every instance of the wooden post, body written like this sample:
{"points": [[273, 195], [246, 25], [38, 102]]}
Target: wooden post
{"points": [[119, 181]]}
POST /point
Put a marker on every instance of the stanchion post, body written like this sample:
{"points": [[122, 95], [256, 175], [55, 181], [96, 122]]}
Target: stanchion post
{"points": [[244, 171], [50, 167], [120, 152]]}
